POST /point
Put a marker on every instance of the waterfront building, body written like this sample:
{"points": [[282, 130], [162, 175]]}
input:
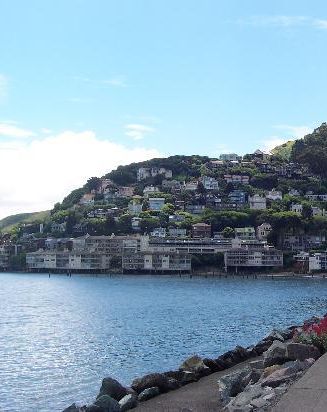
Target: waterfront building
{"points": [[157, 262], [4, 257], [260, 257]]}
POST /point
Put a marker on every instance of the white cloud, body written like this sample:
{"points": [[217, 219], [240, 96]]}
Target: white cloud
{"points": [[138, 131], [10, 130], [39, 173], [284, 21], [3, 87], [289, 133]]}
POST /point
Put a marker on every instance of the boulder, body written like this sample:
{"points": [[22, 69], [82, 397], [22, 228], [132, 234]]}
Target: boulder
{"points": [[128, 402], [302, 351], [256, 364], [112, 388], [244, 400], [262, 346], [276, 354], [94, 408], [182, 377], [195, 364], [107, 404], [149, 381], [174, 384], [75, 408], [270, 369], [274, 335], [148, 394], [213, 365], [278, 377], [231, 385]]}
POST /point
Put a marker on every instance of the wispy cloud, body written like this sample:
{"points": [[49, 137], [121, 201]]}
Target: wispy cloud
{"points": [[3, 87], [138, 131], [284, 21], [115, 81], [12, 131], [288, 133]]}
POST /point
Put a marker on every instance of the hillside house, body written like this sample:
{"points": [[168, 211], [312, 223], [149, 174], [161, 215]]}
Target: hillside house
{"points": [[156, 203], [263, 231], [237, 179], [209, 183], [257, 202], [149, 190], [201, 230], [274, 195], [146, 172]]}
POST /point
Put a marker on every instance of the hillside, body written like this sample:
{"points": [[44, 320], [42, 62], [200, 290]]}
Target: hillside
{"points": [[196, 189], [11, 221], [283, 151]]}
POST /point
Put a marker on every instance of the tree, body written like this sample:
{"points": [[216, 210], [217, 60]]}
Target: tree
{"points": [[228, 232], [306, 210]]}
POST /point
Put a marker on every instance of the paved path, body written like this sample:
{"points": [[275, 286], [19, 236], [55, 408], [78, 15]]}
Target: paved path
{"points": [[309, 394], [201, 396]]}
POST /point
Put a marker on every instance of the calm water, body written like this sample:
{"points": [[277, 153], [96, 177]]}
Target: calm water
{"points": [[59, 337]]}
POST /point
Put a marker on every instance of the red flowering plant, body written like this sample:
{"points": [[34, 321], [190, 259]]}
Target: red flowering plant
{"points": [[314, 334]]}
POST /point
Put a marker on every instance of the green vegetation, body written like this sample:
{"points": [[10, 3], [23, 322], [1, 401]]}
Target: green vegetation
{"points": [[9, 222]]}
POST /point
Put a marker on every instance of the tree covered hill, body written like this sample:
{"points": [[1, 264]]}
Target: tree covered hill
{"points": [[312, 151], [293, 170]]}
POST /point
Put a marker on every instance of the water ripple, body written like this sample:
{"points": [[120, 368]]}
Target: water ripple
{"points": [[59, 337]]}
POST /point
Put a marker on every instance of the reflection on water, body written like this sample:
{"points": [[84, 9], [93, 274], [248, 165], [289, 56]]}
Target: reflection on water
{"points": [[60, 336]]}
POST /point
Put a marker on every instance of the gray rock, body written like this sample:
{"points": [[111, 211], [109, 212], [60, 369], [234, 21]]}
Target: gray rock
{"points": [[94, 408], [174, 384], [274, 335], [301, 351], [256, 364], [112, 388], [245, 399], [276, 354], [278, 377], [75, 408], [149, 381], [231, 385], [299, 366], [107, 404], [128, 402], [262, 346], [182, 377], [148, 394], [195, 364]]}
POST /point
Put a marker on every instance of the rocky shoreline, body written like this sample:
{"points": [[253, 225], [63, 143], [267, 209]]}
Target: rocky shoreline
{"points": [[275, 363]]}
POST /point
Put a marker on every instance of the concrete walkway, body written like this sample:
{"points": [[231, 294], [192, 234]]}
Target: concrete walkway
{"points": [[201, 396], [309, 394]]}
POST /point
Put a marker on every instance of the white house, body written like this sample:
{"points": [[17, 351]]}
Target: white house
{"points": [[209, 183], [158, 232], [257, 202], [149, 190], [296, 207], [274, 195], [87, 199]]}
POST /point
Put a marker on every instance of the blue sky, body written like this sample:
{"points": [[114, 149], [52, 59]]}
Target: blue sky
{"points": [[110, 81]]}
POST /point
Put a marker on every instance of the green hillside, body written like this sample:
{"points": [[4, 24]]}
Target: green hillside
{"points": [[284, 150], [9, 222]]}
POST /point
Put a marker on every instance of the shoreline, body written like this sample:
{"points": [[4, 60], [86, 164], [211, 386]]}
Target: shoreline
{"points": [[212, 275], [194, 383]]}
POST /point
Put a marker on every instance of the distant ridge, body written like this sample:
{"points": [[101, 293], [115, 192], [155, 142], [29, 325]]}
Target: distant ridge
{"points": [[7, 223]]}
